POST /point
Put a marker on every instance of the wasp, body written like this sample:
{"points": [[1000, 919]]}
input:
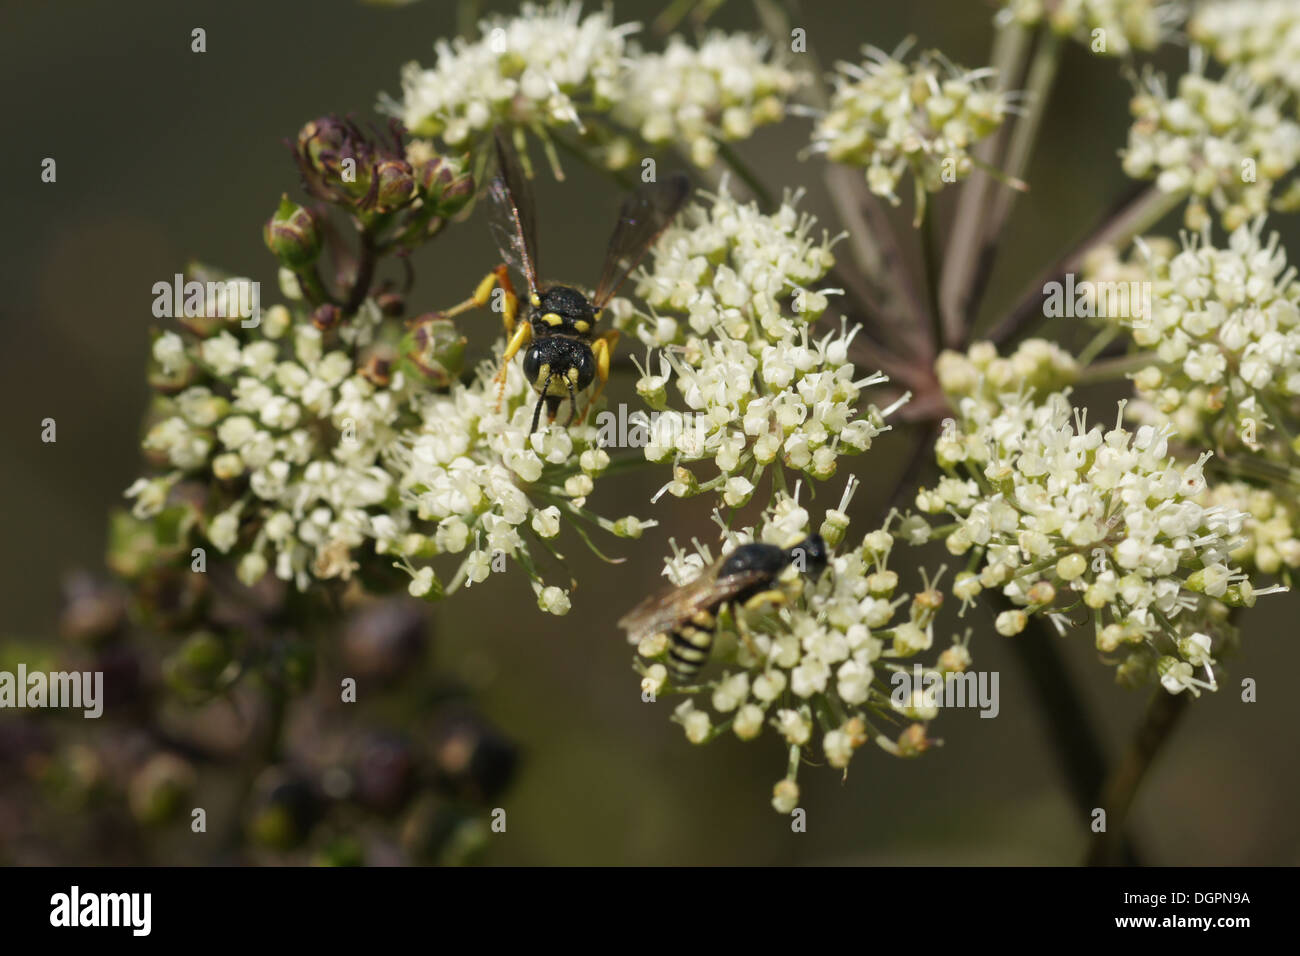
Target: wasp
{"points": [[563, 355], [748, 577]]}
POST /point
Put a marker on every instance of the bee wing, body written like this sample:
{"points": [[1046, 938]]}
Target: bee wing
{"points": [[514, 216], [646, 213], [663, 611]]}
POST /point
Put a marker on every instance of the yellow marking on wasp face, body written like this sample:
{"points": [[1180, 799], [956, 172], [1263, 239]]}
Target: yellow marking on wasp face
{"points": [[582, 325], [550, 318], [535, 299], [572, 375]]}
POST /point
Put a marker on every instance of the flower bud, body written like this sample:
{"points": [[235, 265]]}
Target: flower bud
{"points": [[292, 235], [326, 317], [433, 350], [393, 186], [833, 528], [443, 185], [785, 796]]}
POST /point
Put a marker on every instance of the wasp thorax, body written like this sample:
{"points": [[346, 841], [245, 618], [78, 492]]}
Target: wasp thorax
{"points": [[565, 310]]}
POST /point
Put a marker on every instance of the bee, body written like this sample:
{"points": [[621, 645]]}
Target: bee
{"points": [[745, 578], [562, 353]]}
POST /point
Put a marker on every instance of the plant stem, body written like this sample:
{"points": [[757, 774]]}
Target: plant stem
{"points": [[1134, 215], [1162, 716], [930, 256], [1108, 370], [872, 239], [620, 177], [1098, 343], [1010, 51], [1075, 740], [1042, 74], [747, 175], [365, 274]]}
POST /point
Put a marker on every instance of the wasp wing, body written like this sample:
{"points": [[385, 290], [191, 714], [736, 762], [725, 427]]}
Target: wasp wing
{"points": [[514, 215], [673, 606], [646, 213]]}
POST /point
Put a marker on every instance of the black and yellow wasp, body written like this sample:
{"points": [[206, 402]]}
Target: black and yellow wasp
{"points": [[562, 353], [745, 578]]}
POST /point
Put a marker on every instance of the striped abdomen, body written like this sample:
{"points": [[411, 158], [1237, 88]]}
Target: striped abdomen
{"points": [[690, 643]]}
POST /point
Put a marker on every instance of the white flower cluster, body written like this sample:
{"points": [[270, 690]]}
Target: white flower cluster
{"points": [[1057, 514], [1224, 341], [539, 69], [892, 118], [1272, 538], [1218, 140], [1037, 366], [815, 669], [1262, 36], [697, 97], [1124, 25], [318, 467], [550, 67], [731, 303]]}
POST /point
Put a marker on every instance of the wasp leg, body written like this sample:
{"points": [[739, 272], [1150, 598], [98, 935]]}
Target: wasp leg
{"points": [[774, 597], [522, 336], [742, 629], [603, 351], [500, 276]]}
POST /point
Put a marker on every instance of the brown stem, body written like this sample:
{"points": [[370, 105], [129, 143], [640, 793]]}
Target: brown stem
{"points": [[1137, 211], [1162, 717], [1075, 740], [365, 274], [1010, 50]]}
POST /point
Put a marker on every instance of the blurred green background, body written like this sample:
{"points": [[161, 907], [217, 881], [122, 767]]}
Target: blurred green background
{"points": [[164, 155]]}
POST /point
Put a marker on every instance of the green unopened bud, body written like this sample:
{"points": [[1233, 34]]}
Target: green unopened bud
{"points": [[631, 527], [433, 350], [653, 391], [1240, 595], [292, 234], [833, 528], [443, 185], [395, 186]]}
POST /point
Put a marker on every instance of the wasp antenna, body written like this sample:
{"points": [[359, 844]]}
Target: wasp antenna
{"points": [[537, 411]]}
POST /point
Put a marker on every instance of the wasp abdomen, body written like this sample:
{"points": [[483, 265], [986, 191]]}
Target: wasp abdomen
{"points": [[690, 643]]}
